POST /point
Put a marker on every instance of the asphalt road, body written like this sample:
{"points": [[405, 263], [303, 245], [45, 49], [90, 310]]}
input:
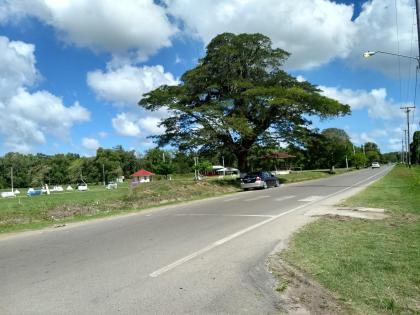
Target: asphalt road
{"points": [[205, 257]]}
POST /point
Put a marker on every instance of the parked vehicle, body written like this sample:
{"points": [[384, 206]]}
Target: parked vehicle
{"points": [[112, 185], [376, 165], [34, 192], [261, 180]]}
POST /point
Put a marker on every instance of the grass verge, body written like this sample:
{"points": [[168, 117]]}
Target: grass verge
{"points": [[372, 266], [299, 176], [32, 213]]}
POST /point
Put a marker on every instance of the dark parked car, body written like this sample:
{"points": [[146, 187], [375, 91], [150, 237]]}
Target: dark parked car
{"points": [[259, 180]]}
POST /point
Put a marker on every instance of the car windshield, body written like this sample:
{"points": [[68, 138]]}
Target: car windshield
{"points": [[254, 174]]}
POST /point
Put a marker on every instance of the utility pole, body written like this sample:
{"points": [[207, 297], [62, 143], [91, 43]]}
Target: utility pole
{"points": [[407, 110], [11, 177], [223, 163], [195, 168], [418, 25], [103, 173], [163, 155], [405, 147], [402, 150]]}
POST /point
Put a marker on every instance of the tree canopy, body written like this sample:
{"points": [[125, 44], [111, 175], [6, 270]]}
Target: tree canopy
{"points": [[237, 96]]}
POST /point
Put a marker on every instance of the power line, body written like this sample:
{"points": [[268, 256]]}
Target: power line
{"points": [[398, 47], [410, 60]]}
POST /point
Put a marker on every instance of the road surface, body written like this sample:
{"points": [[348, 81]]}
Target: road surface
{"points": [[204, 257]]}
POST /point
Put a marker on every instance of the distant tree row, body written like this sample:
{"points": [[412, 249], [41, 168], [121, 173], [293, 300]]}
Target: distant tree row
{"points": [[327, 149], [39, 169]]}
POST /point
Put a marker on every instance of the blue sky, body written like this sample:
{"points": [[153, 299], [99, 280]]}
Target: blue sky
{"points": [[71, 72]]}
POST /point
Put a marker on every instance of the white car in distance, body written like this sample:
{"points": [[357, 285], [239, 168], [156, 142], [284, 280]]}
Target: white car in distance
{"points": [[376, 165]]}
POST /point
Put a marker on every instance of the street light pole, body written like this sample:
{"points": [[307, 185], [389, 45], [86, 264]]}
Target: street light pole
{"points": [[418, 26]]}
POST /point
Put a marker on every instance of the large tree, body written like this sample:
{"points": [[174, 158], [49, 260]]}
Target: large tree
{"points": [[237, 96], [415, 148]]}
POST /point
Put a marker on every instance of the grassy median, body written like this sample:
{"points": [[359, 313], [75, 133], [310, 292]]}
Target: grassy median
{"points": [[372, 267]]}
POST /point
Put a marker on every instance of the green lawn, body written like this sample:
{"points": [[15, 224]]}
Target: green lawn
{"points": [[299, 176], [22, 213], [373, 266]]}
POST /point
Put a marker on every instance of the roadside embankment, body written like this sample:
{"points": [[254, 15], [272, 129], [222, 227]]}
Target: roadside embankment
{"points": [[366, 266]]}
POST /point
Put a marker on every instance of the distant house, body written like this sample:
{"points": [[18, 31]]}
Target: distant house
{"points": [[141, 176]]}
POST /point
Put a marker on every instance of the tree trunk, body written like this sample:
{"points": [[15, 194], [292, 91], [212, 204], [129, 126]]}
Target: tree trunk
{"points": [[242, 157]]}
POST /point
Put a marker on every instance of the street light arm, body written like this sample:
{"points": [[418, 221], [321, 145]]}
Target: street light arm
{"points": [[368, 54]]}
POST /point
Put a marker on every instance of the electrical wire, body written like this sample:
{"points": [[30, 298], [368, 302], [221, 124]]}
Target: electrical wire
{"points": [[410, 60], [398, 47]]}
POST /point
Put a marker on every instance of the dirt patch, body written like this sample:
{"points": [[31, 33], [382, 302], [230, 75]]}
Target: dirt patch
{"points": [[353, 212], [300, 294], [71, 210]]}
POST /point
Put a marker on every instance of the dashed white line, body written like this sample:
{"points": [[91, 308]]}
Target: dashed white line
{"points": [[257, 198], [225, 215], [284, 198], [311, 198], [231, 199], [185, 259]]}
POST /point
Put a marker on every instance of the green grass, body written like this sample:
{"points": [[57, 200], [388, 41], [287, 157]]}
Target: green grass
{"points": [[373, 266], [23, 213], [299, 176]]}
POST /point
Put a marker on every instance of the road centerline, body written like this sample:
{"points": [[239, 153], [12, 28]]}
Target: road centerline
{"points": [[224, 215], [257, 198], [222, 241]]}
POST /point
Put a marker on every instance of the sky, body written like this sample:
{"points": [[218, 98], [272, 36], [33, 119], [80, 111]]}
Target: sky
{"points": [[72, 71]]}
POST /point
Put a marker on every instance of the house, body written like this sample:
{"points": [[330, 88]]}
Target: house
{"points": [[141, 176]]}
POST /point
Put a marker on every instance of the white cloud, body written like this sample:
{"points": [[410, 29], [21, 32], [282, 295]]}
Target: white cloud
{"points": [[116, 27], [124, 125], [127, 84], [134, 125], [26, 118], [375, 101], [90, 143], [377, 30], [17, 66], [103, 134], [150, 125], [314, 31]]}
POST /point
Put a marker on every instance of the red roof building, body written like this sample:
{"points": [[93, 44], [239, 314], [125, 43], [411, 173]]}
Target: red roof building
{"points": [[142, 172], [141, 176]]}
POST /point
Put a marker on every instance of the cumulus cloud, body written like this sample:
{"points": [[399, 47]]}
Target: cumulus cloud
{"points": [[90, 143], [314, 31], [377, 30], [103, 134], [125, 125], [375, 101], [127, 84], [17, 66], [139, 25], [134, 125], [26, 118]]}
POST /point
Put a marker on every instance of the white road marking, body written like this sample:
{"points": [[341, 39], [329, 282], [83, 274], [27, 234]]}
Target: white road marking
{"points": [[231, 199], [312, 198], [257, 198], [284, 198], [222, 241], [225, 215]]}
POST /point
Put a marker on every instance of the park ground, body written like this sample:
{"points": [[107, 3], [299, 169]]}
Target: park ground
{"points": [[358, 266], [30, 213]]}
